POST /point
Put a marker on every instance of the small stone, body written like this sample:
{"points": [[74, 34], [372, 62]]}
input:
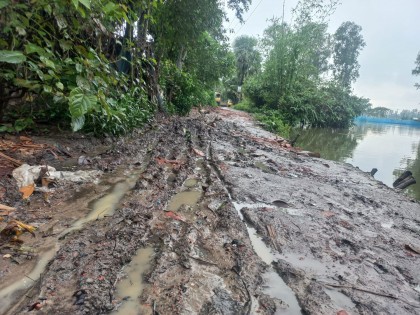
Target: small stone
{"points": [[89, 280], [7, 256]]}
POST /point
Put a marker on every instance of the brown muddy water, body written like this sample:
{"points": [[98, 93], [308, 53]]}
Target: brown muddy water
{"points": [[11, 293], [188, 197], [130, 288], [103, 206]]}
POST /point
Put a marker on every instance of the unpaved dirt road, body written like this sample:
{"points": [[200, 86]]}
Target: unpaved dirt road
{"points": [[209, 214]]}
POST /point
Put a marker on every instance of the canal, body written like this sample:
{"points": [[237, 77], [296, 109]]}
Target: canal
{"points": [[390, 148]]}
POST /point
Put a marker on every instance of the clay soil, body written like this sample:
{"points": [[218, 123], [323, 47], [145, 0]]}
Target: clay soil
{"points": [[342, 241]]}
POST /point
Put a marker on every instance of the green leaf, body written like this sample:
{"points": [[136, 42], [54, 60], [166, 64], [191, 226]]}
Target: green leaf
{"points": [[65, 44], [77, 123], [32, 48], [75, 3], [59, 86], [27, 84], [86, 3], [4, 3], [79, 67], [47, 88], [109, 7], [49, 63], [12, 56], [81, 102], [82, 82]]}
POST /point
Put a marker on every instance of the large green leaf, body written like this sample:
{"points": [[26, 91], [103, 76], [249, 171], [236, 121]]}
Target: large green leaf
{"points": [[4, 3], [12, 56], [32, 48], [77, 123], [86, 3], [81, 102], [110, 7]]}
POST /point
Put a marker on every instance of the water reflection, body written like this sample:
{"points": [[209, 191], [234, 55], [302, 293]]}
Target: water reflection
{"points": [[392, 149]]}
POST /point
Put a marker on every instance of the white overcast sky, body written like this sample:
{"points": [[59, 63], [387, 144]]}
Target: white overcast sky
{"points": [[391, 30]]}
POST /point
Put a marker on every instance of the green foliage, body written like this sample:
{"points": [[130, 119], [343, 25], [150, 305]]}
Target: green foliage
{"points": [[248, 58], [96, 72], [124, 113], [295, 81], [270, 119], [273, 121], [183, 89], [55, 52], [347, 45]]}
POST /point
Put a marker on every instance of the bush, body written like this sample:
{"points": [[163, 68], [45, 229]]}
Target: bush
{"points": [[271, 119], [183, 91]]}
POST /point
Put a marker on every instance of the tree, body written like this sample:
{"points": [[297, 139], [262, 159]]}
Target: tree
{"points": [[348, 42], [248, 58], [101, 62], [416, 70], [294, 81]]}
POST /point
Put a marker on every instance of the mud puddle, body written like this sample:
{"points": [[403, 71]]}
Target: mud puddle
{"points": [[189, 197], [275, 286], [130, 288], [106, 205], [10, 294], [102, 207]]}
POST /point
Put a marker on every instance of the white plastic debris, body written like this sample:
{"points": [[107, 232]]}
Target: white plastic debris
{"points": [[27, 175]]}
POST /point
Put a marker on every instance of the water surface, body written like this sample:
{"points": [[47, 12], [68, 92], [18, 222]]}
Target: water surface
{"points": [[390, 148]]}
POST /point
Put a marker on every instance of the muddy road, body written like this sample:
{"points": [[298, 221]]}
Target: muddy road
{"points": [[209, 214]]}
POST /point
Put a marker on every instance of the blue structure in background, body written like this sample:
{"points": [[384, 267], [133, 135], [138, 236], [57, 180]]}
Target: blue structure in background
{"points": [[414, 123]]}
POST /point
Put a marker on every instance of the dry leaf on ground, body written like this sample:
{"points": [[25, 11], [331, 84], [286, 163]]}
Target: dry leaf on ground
{"points": [[16, 228], [198, 152], [27, 191]]}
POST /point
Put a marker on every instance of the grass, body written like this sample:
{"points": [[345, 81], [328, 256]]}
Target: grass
{"points": [[269, 118]]}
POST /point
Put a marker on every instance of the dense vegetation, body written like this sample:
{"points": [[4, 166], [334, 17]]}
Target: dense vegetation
{"points": [[307, 73], [106, 66]]}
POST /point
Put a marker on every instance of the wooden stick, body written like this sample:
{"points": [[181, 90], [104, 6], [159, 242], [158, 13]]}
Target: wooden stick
{"points": [[369, 291], [7, 208], [14, 161]]}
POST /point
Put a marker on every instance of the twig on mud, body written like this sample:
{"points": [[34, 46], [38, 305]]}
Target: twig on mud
{"points": [[154, 308], [202, 260], [14, 161], [391, 296], [247, 292]]}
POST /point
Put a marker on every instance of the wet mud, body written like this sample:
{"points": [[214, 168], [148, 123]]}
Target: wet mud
{"points": [[209, 214]]}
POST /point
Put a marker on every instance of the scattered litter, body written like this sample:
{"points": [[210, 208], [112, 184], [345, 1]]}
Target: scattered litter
{"points": [[26, 176]]}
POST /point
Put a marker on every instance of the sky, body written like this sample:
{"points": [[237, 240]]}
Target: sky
{"points": [[391, 30]]}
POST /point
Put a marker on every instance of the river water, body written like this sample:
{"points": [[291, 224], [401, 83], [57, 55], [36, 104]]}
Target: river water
{"points": [[390, 148]]}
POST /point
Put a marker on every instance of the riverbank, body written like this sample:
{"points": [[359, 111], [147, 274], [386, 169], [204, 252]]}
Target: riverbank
{"points": [[193, 191]]}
